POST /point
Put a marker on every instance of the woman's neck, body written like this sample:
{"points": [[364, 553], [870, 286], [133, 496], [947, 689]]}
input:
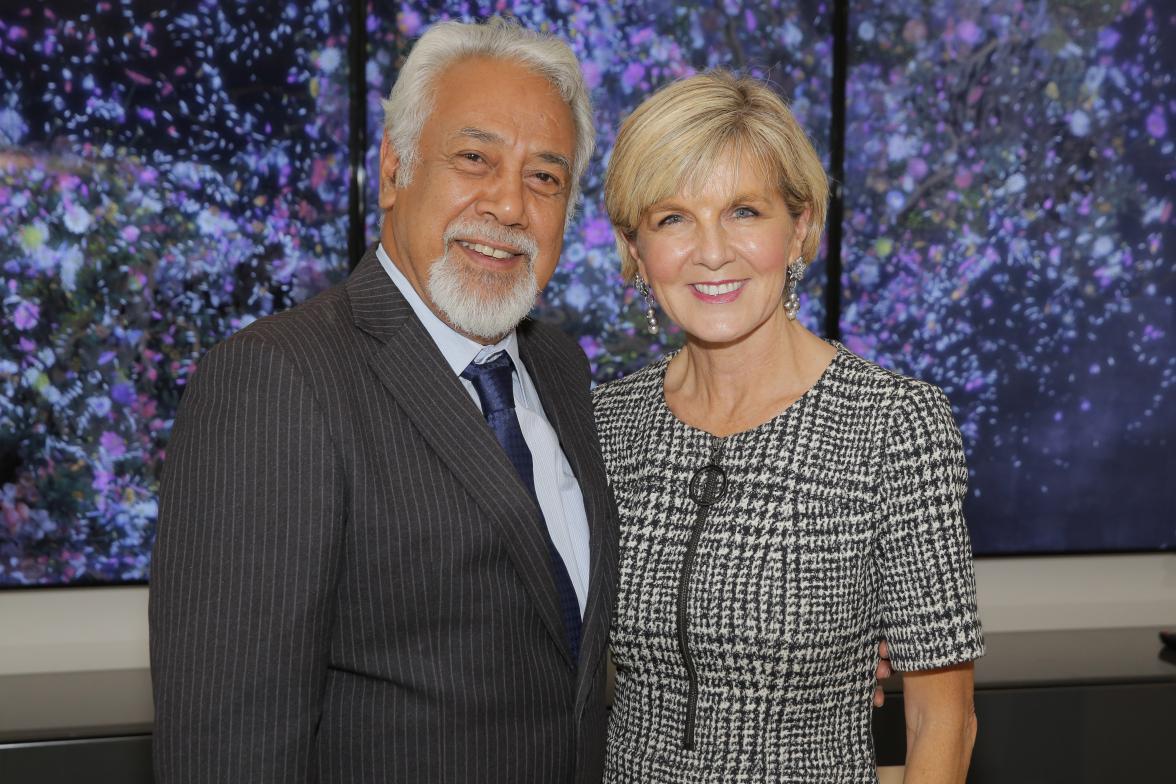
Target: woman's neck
{"points": [[729, 387]]}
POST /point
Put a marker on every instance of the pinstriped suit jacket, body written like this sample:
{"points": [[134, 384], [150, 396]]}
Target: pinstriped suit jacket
{"points": [[350, 582]]}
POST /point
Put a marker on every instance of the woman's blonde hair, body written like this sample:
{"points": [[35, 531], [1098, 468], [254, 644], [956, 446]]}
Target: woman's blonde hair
{"points": [[675, 138]]}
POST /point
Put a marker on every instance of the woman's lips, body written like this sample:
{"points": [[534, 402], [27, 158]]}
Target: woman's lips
{"points": [[719, 291]]}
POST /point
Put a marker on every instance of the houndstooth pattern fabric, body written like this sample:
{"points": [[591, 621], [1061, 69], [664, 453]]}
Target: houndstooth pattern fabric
{"points": [[842, 525]]}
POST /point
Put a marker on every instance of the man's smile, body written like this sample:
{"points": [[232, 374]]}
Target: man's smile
{"points": [[489, 250]]}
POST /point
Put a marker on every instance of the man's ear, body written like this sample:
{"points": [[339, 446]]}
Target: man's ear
{"points": [[389, 166]]}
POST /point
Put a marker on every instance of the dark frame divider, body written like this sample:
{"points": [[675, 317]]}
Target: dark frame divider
{"points": [[357, 117], [837, 115]]}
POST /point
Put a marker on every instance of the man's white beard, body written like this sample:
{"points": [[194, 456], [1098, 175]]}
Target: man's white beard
{"points": [[481, 302]]}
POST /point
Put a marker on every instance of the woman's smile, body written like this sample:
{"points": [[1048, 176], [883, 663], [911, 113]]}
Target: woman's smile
{"points": [[718, 292]]}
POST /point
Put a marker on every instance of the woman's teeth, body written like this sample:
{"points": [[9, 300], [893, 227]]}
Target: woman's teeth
{"points": [[717, 289]]}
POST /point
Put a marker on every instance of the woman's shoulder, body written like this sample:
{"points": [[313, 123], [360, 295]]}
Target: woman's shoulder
{"points": [[622, 407], [620, 393], [881, 386], [904, 412]]}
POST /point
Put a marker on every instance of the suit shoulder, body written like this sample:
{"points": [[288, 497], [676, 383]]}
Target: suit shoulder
{"points": [[552, 337], [321, 322], [556, 345], [326, 312], [314, 339]]}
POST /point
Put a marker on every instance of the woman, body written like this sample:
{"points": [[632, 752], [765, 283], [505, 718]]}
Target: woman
{"points": [[785, 504]]}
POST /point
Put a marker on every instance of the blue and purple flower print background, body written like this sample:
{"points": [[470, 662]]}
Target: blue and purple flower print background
{"points": [[167, 175], [1009, 236]]}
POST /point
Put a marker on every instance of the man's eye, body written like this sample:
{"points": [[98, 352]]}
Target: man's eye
{"points": [[473, 157], [547, 178]]}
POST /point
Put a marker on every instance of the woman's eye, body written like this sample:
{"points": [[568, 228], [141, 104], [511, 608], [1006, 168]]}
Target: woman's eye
{"points": [[669, 220], [745, 212]]}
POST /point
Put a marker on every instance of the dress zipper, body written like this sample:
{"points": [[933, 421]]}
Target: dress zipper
{"points": [[707, 487]]}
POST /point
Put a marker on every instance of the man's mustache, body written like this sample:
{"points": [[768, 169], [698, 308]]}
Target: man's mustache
{"points": [[492, 234]]}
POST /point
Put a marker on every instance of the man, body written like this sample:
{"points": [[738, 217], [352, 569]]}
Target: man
{"points": [[386, 550]]}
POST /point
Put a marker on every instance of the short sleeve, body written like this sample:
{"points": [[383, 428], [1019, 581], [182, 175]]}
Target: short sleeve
{"points": [[928, 583]]}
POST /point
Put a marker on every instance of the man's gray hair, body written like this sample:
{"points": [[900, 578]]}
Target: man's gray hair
{"points": [[445, 43]]}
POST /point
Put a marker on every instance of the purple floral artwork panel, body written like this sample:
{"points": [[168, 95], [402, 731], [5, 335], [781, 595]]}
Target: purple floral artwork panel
{"points": [[164, 181], [1009, 237]]}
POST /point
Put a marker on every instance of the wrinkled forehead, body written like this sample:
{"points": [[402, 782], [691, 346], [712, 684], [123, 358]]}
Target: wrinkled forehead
{"points": [[503, 97]]}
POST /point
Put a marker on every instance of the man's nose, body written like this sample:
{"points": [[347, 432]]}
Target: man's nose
{"points": [[504, 200]]}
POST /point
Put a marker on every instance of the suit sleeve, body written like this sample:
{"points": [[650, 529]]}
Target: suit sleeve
{"points": [[245, 561], [928, 599]]}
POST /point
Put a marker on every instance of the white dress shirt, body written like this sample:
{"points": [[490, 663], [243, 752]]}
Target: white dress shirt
{"points": [[556, 487]]}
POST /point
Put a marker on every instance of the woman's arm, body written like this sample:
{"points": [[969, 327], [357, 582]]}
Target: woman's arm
{"points": [[940, 724]]}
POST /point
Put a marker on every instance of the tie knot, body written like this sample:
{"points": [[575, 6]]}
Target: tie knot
{"points": [[493, 383]]}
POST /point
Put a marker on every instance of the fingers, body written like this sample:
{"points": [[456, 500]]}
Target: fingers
{"points": [[881, 673], [883, 670]]}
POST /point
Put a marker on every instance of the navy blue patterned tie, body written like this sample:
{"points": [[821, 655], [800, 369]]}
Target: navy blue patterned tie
{"points": [[492, 381]]}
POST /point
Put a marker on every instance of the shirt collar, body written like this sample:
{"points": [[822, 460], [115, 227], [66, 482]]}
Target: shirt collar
{"points": [[458, 350]]}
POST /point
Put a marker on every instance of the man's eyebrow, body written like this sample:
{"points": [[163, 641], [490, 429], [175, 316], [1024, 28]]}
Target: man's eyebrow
{"points": [[557, 159], [478, 134], [489, 137]]}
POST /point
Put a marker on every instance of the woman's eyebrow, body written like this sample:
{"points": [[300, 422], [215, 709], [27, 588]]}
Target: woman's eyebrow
{"points": [[745, 198]]}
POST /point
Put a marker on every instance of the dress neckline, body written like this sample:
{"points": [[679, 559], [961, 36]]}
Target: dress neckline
{"points": [[767, 424]]}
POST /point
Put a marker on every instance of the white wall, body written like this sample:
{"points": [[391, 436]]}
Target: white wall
{"points": [[73, 629], [106, 628], [1077, 592]]}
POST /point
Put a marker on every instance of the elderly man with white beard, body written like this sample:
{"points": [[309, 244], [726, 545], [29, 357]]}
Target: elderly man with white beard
{"points": [[386, 550]]}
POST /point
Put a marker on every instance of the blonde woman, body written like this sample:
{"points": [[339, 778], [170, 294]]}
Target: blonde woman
{"points": [[784, 503]]}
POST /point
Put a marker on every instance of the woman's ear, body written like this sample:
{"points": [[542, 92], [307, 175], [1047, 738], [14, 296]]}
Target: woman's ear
{"points": [[630, 240], [801, 232], [389, 166]]}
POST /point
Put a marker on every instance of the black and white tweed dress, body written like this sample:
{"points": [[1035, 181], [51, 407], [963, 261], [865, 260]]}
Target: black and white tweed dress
{"points": [[745, 636]]}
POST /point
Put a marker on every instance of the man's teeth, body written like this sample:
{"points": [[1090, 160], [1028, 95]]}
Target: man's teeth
{"points": [[716, 289], [486, 250]]}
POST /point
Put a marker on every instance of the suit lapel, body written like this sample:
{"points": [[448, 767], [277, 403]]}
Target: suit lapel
{"points": [[569, 411], [412, 369]]}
